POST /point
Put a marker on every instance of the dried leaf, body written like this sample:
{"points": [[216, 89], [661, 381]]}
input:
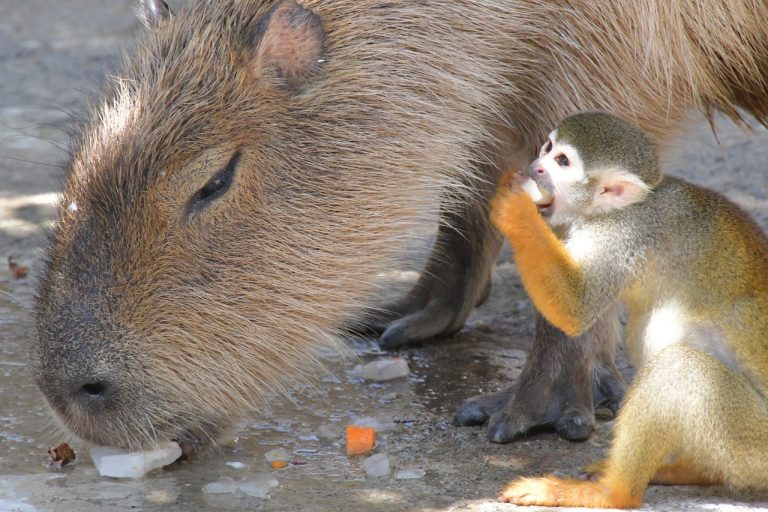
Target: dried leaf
{"points": [[61, 455], [18, 271]]}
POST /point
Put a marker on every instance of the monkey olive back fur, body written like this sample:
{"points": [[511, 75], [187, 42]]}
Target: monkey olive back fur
{"points": [[604, 140]]}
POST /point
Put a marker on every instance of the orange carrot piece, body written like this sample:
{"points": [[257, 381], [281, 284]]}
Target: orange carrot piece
{"points": [[279, 464], [360, 440]]}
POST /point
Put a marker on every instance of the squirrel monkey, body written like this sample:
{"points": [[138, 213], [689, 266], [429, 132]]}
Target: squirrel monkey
{"points": [[604, 225]]}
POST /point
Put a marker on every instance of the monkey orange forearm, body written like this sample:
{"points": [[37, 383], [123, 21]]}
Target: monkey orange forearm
{"points": [[550, 275]]}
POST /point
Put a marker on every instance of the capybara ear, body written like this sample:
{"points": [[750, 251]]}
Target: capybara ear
{"points": [[154, 13], [289, 42]]}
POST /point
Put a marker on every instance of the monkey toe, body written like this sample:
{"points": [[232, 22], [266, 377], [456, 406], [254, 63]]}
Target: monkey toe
{"points": [[477, 410], [575, 425]]}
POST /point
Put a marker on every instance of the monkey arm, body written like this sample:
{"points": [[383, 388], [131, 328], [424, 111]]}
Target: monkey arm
{"points": [[569, 291]]}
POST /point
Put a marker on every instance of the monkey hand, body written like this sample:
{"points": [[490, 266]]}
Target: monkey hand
{"points": [[512, 209], [512, 179]]}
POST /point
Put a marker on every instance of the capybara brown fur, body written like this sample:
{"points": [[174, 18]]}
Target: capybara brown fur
{"points": [[254, 163]]}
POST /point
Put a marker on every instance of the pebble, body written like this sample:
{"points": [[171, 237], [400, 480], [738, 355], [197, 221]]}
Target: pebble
{"points": [[383, 369], [410, 473], [377, 465], [259, 486], [118, 463]]}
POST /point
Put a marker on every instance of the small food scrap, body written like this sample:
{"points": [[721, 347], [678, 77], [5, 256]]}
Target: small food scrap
{"points": [[18, 271], [61, 455], [236, 465], [278, 458], [360, 440], [377, 465], [279, 464]]}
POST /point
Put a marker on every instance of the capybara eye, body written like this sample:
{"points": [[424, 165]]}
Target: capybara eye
{"points": [[219, 183], [562, 160]]}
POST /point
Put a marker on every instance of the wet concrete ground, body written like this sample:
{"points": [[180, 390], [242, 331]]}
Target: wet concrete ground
{"points": [[51, 53]]}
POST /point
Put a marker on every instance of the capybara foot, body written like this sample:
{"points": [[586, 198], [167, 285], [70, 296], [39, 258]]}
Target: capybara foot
{"points": [[559, 492], [433, 321], [575, 424], [511, 412]]}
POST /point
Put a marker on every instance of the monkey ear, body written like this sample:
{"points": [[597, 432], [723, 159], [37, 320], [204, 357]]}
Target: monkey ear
{"points": [[154, 13], [290, 42], [617, 188]]}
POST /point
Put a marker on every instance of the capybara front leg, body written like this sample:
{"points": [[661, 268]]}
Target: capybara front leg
{"points": [[455, 279], [555, 387]]}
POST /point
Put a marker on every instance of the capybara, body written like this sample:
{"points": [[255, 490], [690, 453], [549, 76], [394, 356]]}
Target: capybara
{"points": [[254, 164]]}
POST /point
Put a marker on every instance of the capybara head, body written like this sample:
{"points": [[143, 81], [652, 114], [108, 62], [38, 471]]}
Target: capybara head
{"points": [[213, 229]]}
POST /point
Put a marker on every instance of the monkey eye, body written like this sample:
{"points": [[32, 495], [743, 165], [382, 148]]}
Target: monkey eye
{"points": [[562, 160], [548, 147]]}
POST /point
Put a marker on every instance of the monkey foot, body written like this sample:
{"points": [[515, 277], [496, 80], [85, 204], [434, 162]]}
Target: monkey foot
{"points": [[558, 492]]}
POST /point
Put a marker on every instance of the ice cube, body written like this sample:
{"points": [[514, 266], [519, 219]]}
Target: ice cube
{"points": [[385, 369], [223, 485], [377, 465], [410, 473], [124, 464], [530, 188], [259, 485], [380, 424], [278, 454]]}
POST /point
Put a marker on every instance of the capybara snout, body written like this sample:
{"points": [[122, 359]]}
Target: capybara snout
{"points": [[189, 274]]}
